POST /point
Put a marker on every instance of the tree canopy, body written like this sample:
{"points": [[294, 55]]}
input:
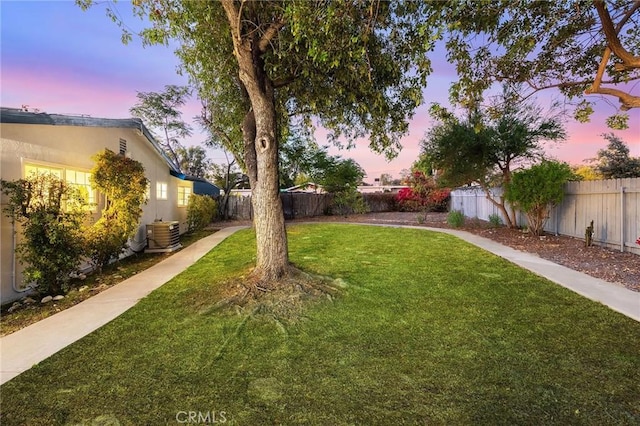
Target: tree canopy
{"points": [[193, 161], [161, 113], [580, 47], [484, 146], [355, 67]]}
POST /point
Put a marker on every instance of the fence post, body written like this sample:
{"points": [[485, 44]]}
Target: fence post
{"points": [[622, 218]]}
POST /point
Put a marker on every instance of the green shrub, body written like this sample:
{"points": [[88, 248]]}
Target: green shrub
{"points": [[348, 201], [50, 212], [455, 218], [201, 211], [124, 185], [537, 189], [495, 220]]}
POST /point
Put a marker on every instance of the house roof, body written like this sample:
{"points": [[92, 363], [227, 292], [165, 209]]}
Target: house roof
{"points": [[19, 116]]}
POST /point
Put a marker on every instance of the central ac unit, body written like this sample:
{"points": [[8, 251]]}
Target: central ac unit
{"points": [[163, 236]]}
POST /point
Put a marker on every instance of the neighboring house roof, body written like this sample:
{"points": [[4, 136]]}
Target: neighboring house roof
{"points": [[18, 116], [310, 187]]}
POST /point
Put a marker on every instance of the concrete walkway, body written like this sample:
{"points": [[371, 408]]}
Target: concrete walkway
{"points": [[21, 350]]}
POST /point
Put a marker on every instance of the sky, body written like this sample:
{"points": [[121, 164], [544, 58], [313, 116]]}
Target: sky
{"points": [[56, 58]]}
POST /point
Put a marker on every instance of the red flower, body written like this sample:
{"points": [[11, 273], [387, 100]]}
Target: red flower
{"points": [[638, 241]]}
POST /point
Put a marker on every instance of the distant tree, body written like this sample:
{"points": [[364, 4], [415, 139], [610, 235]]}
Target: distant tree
{"points": [[334, 173], [341, 178], [227, 177], [537, 190], [614, 161], [586, 172], [484, 146], [423, 164], [386, 179], [193, 161], [161, 113], [296, 157]]}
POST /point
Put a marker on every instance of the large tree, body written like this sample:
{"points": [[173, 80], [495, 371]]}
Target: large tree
{"points": [[582, 47], [193, 161], [161, 113], [484, 146], [356, 67], [614, 162]]}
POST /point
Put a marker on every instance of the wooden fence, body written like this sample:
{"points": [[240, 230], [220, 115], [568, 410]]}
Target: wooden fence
{"points": [[300, 204], [613, 205]]}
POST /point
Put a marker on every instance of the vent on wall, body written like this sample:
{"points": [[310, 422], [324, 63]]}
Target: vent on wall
{"points": [[163, 236], [123, 146]]}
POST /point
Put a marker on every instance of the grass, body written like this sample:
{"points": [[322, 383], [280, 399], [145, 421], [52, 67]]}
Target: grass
{"points": [[427, 330], [94, 283]]}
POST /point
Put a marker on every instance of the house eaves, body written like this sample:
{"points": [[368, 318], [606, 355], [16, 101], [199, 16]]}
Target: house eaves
{"points": [[18, 116]]}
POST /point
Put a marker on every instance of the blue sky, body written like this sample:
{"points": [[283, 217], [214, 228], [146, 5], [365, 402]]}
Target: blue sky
{"points": [[59, 59]]}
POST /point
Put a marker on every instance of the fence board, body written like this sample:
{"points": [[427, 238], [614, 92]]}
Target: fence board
{"points": [[615, 213]]}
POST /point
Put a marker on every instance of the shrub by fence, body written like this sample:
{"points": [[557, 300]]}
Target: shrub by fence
{"points": [[612, 204]]}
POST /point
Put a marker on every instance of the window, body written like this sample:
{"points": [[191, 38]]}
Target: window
{"points": [[184, 192], [123, 147], [161, 191], [81, 180], [76, 178]]}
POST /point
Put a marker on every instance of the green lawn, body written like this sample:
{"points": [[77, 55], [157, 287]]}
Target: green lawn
{"points": [[427, 330]]}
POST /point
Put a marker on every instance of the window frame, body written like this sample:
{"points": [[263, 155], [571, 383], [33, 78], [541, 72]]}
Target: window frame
{"points": [[63, 172], [162, 191], [184, 193]]}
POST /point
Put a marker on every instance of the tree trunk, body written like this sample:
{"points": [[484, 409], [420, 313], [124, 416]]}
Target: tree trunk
{"points": [[261, 157], [509, 221], [259, 132]]}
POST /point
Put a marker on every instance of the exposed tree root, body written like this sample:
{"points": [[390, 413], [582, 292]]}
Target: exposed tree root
{"points": [[285, 297], [283, 302]]}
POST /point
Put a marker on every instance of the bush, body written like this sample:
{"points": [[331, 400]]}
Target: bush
{"points": [[455, 218], [348, 201], [537, 189], [423, 195], [124, 184], [495, 220], [51, 213], [201, 211]]}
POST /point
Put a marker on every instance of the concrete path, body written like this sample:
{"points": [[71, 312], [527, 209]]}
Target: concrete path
{"points": [[21, 350]]}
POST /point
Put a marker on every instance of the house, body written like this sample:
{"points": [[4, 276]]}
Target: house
{"points": [[64, 145]]}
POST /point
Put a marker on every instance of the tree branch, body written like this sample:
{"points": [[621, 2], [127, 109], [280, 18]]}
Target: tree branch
{"points": [[627, 100], [269, 35], [233, 16], [611, 34]]}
